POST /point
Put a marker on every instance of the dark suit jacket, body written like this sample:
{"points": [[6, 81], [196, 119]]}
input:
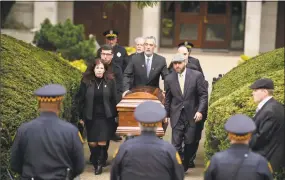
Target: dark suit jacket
{"points": [[85, 99], [118, 73], [136, 70], [175, 101], [268, 139], [194, 63]]}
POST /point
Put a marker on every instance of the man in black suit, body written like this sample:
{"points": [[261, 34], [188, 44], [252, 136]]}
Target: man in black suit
{"points": [[183, 107], [144, 69], [268, 139], [195, 65]]}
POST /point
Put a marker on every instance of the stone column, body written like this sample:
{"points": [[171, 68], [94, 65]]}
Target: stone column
{"points": [[151, 22], [43, 10], [268, 26], [252, 28]]}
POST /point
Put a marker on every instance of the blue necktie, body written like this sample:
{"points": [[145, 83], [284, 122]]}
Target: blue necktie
{"points": [[148, 67]]}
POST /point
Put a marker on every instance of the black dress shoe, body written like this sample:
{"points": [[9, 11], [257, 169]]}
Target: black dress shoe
{"points": [[191, 165]]}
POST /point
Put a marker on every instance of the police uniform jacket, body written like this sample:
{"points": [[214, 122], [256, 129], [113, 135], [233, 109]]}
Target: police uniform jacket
{"points": [[238, 163], [147, 157], [136, 72], [120, 56], [45, 147], [268, 139]]}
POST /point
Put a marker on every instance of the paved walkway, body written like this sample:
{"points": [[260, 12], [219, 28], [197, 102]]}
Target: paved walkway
{"points": [[212, 64]]}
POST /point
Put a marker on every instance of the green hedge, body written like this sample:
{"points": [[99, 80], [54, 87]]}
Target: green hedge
{"points": [[248, 71], [24, 68], [232, 95]]}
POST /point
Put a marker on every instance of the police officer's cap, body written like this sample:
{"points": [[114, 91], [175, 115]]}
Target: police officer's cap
{"points": [[50, 93], [263, 83], [149, 113], [111, 34], [187, 44], [240, 124], [178, 58]]}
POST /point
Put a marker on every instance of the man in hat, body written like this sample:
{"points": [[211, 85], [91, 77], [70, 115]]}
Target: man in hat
{"points": [[120, 54], [186, 100], [268, 139], [48, 147], [194, 64], [238, 162], [147, 156]]}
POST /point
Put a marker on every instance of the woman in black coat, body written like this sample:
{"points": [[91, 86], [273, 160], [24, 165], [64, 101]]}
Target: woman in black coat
{"points": [[97, 109]]}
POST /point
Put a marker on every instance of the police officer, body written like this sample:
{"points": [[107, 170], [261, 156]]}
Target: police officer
{"points": [[120, 53], [238, 162], [47, 147], [146, 156]]}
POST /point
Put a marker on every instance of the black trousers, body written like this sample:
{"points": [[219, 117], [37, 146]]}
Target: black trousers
{"points": [[195, 145], [182, 133]]}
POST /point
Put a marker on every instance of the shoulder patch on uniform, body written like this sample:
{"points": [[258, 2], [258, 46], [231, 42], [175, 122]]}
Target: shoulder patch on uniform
{"points": [[116, 152], [207, 165], [270, 167], [178, 158], [80, 137]]}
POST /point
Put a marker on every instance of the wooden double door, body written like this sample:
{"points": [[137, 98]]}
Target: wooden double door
{"points": [[205, 24], [99, 16]]}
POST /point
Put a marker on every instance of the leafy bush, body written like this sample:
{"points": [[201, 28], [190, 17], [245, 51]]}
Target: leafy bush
{"points": [[232, 95], [23, 69], [79, 64], [67, 39], [243, 59], [130, 50], [248, 71]]}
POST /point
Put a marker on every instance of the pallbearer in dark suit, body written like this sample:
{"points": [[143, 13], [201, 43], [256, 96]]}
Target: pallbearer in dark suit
{"points": [[186, 99], [97, 109], [195, 65], [139, 41], [268, 139], [145, 69], [47, 146], [238, 162], [147, 156]]}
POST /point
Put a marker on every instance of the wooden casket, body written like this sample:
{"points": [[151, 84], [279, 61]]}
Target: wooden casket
{"points": [[128, 126]]}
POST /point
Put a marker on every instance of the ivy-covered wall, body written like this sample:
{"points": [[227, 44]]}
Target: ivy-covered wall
{"points": [[24, 68]]}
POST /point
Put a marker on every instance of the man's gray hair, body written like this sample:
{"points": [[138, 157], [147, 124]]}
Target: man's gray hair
{"points": [[138, 39], [151, 37]]}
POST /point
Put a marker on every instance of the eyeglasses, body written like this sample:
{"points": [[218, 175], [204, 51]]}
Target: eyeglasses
{"points": [[106, 54]]}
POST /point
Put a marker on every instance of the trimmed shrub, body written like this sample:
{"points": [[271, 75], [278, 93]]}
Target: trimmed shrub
{"points": [[25, 68], [67, 39], [232, 95], [248, 71]]}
